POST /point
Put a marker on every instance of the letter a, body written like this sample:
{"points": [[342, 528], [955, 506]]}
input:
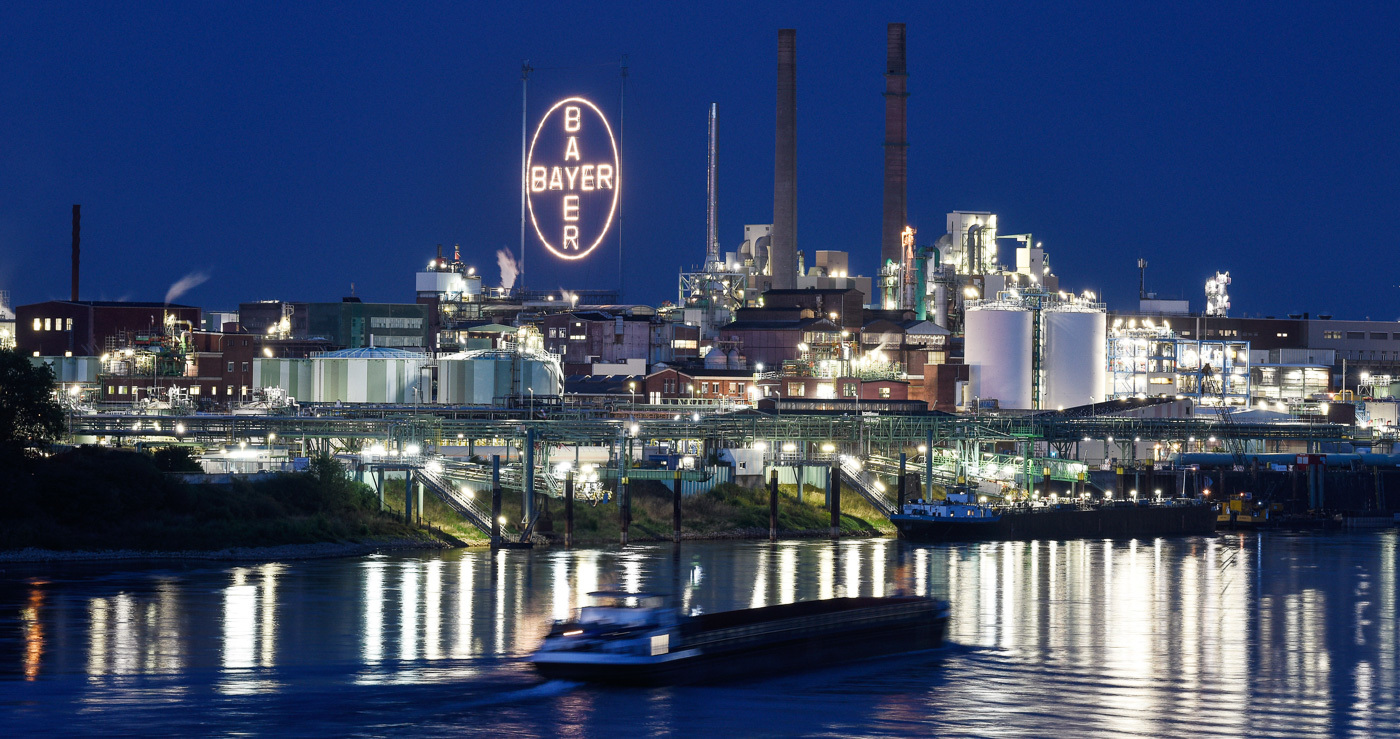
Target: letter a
{"points": [[555, 181], [571, 151]]}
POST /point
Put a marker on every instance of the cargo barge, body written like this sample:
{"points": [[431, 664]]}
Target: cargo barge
{"points": [[633, 639], [960, 519]]}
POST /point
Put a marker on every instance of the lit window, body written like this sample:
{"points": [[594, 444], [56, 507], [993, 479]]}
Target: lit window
{"points": [[38, 324], [213, 389], [48, 324], [884, 392], [111, 390], [796, 389], [121, 390], [70, 324], [230, 391], [194, 390]]}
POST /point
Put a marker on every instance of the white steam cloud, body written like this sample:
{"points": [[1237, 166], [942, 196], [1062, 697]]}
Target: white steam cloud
{"points": [[509, 268], [184, 285]]}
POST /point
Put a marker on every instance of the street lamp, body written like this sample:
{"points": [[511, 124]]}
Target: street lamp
{"points": [[632, 386]]}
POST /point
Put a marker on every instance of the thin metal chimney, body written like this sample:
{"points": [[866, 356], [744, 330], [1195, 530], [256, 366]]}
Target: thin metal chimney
{"points": [[896, 147], [711, 194], [783, 249], [77, 218]]}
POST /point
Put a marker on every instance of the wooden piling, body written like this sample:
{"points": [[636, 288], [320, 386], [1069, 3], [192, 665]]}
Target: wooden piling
{"points": [[624, 502], [676, 510], [835, 502], [495, 501], [903, 477], [569, 510], [773, 506]]}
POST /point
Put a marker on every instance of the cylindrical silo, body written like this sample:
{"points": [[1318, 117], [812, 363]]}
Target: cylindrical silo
{"points": [[489, 376], [998, 353], [1075, 359]]}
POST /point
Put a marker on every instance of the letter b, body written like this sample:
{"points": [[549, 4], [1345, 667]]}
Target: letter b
{"points": [[572, 118]]}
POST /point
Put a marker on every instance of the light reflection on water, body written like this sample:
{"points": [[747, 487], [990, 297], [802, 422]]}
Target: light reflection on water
{"points": [[1260, 634]]}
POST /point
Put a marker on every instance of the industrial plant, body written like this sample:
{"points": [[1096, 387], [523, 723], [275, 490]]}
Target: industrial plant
{"points": [[959, 361]]}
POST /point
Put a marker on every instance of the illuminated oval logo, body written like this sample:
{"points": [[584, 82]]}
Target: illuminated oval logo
{"points": [[572, 178]]}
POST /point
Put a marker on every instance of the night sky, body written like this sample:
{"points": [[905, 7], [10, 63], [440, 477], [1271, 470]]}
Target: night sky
{"points": [[287, 151]]}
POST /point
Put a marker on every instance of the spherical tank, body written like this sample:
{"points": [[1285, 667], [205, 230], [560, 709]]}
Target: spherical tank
{"points": [[998, 352], [1076, 356]]}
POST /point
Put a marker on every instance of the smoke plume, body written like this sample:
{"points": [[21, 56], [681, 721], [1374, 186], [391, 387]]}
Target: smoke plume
{"points": [[184, 285], [509, 268]]}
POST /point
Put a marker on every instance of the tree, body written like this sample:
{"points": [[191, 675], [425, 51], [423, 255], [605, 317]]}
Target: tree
{"points": [[28, 409]]}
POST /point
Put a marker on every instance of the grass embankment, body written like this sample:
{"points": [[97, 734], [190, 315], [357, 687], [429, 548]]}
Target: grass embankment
{"points": [[93, 498], [727, 511]]}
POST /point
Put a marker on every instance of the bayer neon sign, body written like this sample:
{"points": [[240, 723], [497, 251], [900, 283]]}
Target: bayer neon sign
{"points": [[572, 178]]}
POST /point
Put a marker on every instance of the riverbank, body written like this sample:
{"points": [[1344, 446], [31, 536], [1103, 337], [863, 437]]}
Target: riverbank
{"points": [[725, 512], [99, 503], [321, 550]]}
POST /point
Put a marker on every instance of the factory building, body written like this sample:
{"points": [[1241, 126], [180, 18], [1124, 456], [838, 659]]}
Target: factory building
{"points": [[709, 384], [349, 323], [1148, 359], [585, 339], [86, 327], [1348, 348]]}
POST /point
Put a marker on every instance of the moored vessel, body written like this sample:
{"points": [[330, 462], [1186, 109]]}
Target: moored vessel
{"points": [[634, 638], [959, 518]]}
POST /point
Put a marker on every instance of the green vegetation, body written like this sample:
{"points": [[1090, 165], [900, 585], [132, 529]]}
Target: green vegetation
{"points": [[28, 409], [93, 498], [726, 511]]}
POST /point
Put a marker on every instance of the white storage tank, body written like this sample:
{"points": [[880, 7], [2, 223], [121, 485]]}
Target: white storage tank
{"points": [[998, 353], [367, 375], [486, 377], [293, 375], [1076, 356], [716, 359]]}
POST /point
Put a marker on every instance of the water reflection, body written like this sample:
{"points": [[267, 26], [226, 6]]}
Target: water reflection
{"points": [[250, 630], [1256, 634]]}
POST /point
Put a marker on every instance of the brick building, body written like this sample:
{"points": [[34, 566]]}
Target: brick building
{"points": [[82, 327]]}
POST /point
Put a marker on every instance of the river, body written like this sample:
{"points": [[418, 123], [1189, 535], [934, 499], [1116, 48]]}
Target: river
{"points": [[1237, 634]]}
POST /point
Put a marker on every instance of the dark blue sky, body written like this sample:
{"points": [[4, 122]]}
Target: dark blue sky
{"points": [[290, 152]]}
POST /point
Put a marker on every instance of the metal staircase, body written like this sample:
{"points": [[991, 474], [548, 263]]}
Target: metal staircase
{"points": [[454, 500], [862, 484]]}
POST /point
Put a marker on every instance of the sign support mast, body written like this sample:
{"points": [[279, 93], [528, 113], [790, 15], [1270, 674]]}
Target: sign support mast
{"points": [[524, 161], [621, 119]]}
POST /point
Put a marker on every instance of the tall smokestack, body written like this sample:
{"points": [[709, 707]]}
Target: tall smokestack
{"points": [[783, 249], [896, 147], [77, 218], [711, 194]]}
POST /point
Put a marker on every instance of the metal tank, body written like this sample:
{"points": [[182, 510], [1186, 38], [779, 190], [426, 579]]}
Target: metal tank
{"points": [[998, 353], [1076, 355], [716, 359], [368, 375], [489, 376]]}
